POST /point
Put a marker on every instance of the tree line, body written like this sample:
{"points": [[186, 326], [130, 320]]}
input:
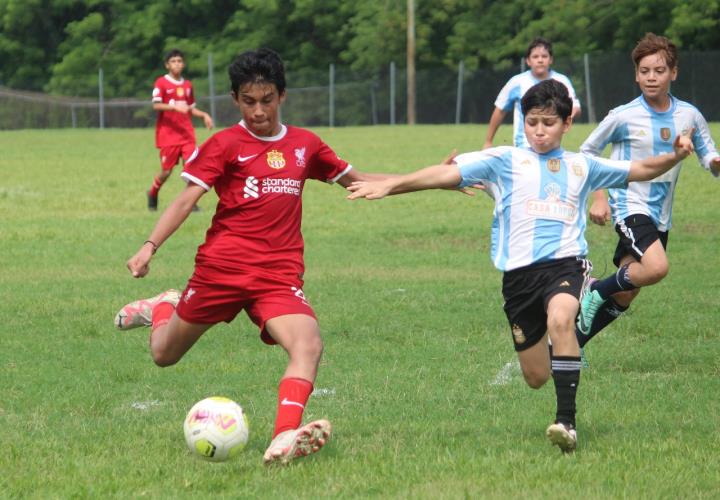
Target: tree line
{"points": [[57, 46]]}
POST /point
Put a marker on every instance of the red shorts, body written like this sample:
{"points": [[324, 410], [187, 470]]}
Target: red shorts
{"points": [[211, 297], [170, 155]]}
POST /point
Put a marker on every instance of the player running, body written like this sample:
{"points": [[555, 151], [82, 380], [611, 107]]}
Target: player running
{"points": [[174, 101], [538, 234], [539, 58], [641, 212], [252, 258]]}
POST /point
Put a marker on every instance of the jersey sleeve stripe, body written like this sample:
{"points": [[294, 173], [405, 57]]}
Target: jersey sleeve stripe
{"points": [[335, 179], [191, 178]]}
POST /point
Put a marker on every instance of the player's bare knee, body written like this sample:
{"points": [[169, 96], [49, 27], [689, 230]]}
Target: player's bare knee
{"points": [[536, 379], [163, 359]]}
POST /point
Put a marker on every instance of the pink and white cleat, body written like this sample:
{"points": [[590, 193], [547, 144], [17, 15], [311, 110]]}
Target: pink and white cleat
{"points": [[139, 313], [299, 442]]}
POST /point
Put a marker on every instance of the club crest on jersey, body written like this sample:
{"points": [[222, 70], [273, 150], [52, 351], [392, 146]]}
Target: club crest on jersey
{"points": [[180, 92], [553, 165], [518, 335], [275, 159], [665, 134], [300, 157], [577, 169]]}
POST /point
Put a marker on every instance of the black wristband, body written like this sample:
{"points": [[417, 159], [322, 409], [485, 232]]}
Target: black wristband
{"points": [[155, 247]]}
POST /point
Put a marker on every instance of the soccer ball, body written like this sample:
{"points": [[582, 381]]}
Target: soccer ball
{"points": [[216, 429]]}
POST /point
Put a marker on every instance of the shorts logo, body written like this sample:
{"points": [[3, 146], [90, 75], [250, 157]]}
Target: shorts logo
{"points": [[564, 284], [665, 134], [251, 188], [189, 294], [300, 157], [553, 165], [275, 159], [518, 335], [300, 294]]}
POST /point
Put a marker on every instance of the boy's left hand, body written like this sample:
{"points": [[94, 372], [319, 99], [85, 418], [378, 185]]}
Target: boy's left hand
{"points": [[715, 165], [208, 121], [683, 145]]}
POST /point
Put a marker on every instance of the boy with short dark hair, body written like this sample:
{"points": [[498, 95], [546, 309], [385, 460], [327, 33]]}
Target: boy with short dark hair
{"points": [[642, 211], [174, 100], [539, 58], [538, 231], [252, 258]]}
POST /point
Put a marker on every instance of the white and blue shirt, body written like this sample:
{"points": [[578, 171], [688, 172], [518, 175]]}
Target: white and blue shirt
{"points": [[636, 131], [511, 94], [540, 200]]}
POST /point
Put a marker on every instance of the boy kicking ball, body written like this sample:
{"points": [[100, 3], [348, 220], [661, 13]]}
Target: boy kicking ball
{"points": [[252, 258], [538, 234]]}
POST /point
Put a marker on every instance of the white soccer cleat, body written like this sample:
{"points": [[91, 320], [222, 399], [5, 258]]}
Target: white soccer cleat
{"points": [[299, 442], [564, 436], [139, 313]]}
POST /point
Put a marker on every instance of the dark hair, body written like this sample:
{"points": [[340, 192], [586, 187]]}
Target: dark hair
{"points": [[257, 66], [548, 94], [539, 42], [174, 53], [653, 44]]}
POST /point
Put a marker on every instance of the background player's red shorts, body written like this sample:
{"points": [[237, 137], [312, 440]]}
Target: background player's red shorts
{"points": [[212, 297], [170, 155]]}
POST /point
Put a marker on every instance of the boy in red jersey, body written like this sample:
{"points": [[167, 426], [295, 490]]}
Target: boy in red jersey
{"points": [[174, 101], [252, 258]]}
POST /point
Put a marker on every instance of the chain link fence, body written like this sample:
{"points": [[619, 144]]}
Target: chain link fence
{"points": [[338, 96]]}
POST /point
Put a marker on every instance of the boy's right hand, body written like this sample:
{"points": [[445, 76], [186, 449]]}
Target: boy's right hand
{"points": [[181, 107], [683, 145], [139, 264], [599, 212]]}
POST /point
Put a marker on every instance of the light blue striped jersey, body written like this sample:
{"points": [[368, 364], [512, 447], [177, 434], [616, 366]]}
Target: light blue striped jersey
{"points": [[635, 132], [511, 94], [540, 200]]}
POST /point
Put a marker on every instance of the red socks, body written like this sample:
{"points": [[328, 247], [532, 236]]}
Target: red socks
{"points": [[161, 314], [155, 188], [293, 394]]}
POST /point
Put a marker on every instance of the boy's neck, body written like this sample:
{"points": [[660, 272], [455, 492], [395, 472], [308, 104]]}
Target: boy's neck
{"points": [[659, 103]]}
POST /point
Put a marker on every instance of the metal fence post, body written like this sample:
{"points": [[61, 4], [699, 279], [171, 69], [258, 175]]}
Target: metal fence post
{"points": [[73, 116], [211, 85], [392, 93], [588, 91], [101, 99], [332, 96], [458, 102]]}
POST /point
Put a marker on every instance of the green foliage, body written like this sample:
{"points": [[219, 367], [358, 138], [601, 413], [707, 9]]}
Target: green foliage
{"points": [[59, 46]]}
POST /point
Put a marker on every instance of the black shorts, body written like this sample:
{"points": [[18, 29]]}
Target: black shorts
{"points": [[528, 290], [637, 232]]}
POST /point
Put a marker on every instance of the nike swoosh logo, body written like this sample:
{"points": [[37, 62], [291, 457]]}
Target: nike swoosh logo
{"points": [[287, 402], [245, 158]]}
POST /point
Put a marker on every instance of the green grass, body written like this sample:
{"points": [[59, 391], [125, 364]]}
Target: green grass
{"points": [[418, 372]]}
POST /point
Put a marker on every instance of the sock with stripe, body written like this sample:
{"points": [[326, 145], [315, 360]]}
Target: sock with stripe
{"points": [[293, 394], [618, 282], [566, 375]]}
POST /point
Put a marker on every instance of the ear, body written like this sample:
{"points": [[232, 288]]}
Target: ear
{"points": [[282, 96], [234, 95], [673, 74], [567, 124]]}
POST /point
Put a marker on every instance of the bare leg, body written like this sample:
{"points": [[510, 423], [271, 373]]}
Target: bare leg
{"points": [[170, 342]]}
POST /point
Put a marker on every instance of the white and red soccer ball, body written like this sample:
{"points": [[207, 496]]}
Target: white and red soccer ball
{"points": [[216, 429]]}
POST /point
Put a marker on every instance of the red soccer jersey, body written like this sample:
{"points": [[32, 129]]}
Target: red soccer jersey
{"points": [[173, 128], [259, 182]]}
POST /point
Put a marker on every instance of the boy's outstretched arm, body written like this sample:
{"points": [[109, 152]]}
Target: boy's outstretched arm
{"points": [[170, 220], [649, 168], [444, 176]]}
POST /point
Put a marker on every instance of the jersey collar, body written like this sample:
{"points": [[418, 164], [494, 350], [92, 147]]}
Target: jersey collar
{"points": [[276, 137], [173, 80], [671, 108]]}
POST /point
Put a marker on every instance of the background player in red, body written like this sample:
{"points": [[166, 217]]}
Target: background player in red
{"points": [[252, 258], [174, 100]]}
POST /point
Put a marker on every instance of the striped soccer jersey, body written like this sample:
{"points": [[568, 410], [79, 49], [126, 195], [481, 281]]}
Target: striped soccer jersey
{"points": [[635, 132], [511, 94], [540, 200]]}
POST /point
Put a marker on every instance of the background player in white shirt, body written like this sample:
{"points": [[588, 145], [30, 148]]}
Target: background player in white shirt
{"points": [[539, 58], [642, 212], [538, 234]]}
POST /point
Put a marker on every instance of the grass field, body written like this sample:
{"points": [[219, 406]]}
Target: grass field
{"points": [[418, 375]]}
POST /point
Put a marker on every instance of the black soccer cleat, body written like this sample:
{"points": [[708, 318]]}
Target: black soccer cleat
{"points": [[152, 202]]}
